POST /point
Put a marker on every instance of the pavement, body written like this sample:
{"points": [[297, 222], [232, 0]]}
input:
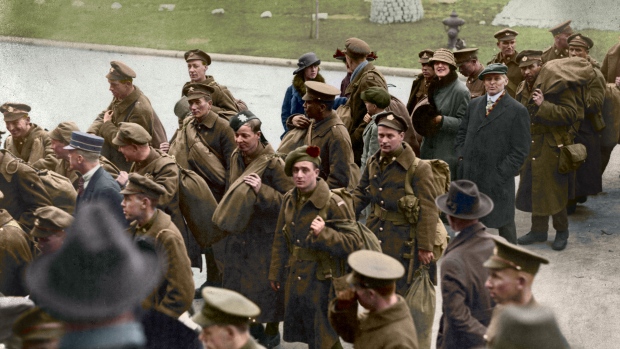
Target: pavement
{"points": [[61, 83]]}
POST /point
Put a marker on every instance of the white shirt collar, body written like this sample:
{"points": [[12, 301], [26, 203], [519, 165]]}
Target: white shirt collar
{"points": [[496, 97], [88, 175]]}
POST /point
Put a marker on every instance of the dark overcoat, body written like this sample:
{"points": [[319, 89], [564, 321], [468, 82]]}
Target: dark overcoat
{"points": [[103, 188], [611, 64], [492, 149], [514, 72], [467, 305]]}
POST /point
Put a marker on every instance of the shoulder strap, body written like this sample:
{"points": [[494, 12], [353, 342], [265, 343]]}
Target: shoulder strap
{"points": [[409, 176], [131, 107], [323, 210]]}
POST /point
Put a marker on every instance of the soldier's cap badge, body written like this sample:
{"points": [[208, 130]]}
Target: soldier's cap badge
{"points": [[524, 59], [390, 117]]}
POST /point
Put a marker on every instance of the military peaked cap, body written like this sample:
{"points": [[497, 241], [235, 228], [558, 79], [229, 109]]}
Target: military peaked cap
{"points": [[528, 57], [197, 54], [320, 91], [62, 132], [373, 269], [507, 255], [14, 111], [579, 39], [425, 56], [505, 34], [195, 90], [139, 184], [131, 133], [120, 71], [465, 55], [356, 48], [562, 28], [391, 120], [50, 220], [225, 307], [37, 325]]}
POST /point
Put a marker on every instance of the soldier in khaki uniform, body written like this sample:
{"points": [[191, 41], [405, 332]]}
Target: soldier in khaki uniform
{"points": [[27, 141], [15, 255], [559, 49], [388, 323], [38, 330], [49, 228], [61, 137], [128, 105], [308, 252], [198, 63], [174, 295], [225, 319], [544, 191], [469, 65], [419, 88], [511, 274], [506, 42]]}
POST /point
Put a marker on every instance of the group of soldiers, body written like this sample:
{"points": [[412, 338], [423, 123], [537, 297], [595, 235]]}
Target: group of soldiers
{"points": [[280, 228]]}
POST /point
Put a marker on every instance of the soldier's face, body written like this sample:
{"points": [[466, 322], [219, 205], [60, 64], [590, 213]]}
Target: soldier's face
{"points": [[507, 47], [133, 206], [389, 139], [246, 139], [313, 109], [441, 69], [197, 70], [75, 160], [577, 51], [304, 175], [311, 72], [530, 72], [560, 40], [504, 285], [50, 244], [18, 128], [217, 337], [119, 89], [467, 68], [495, 83], [200, 107], [428, 71], [59, 151], [129, 151]]}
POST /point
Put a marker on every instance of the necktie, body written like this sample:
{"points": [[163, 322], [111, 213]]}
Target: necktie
{"points": [[489, 105], [80, 186]]}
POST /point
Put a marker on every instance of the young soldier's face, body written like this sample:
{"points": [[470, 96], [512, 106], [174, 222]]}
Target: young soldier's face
{"points": [[504, 285], [247, 141], [59, 151], [389, 139], [132, 206], [50, 244], [304, 175], [197, 70], [120, 89], [18, 128], [427, 70], [507, 47], [530, 72], [129, 151]]}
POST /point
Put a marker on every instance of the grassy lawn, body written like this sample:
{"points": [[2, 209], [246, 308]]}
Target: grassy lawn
{"points": [[287, 35]]}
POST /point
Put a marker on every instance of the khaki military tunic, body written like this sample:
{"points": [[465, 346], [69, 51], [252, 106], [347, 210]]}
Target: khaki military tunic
{"points": [[135, 108], [552, 53], [514, 72], [175, 293], [475, 85], [62, 168], [35, 148], [419, 90], [15, 255], [389, 328]]}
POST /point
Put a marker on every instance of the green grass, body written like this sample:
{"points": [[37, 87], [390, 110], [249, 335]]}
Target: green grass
{"points": [[287, 35]]}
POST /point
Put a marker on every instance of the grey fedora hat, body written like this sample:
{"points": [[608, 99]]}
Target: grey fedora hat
{"points": [[463, 200]]}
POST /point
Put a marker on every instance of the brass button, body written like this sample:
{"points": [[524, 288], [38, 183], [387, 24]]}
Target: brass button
{"points": [[298, 241], [380, 228], [533, 158], [382, 202], [380, 189], [299, 278], [293, 223]]}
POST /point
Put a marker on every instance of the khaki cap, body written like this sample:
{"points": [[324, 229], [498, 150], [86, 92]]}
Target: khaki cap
{"points": [[304, 153], [391, 120], [377, 95], [563, 27], [14, 111], [50, 220], [373, 269], [197, 54], [139, 184], [63, 131], [465, 55], [320, 91], [37, 325], [425, 55], [120, 71], [529, 57], [505, 34], [356, 48], [225, 307], [443, 55], [509, 256], [195, 90], [131, 133], [579, 39]]}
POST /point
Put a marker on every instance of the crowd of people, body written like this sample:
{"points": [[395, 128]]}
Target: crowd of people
{"points": [[100, 229]]}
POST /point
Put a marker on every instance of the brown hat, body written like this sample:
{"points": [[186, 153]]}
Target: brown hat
{"points": [[320, 91], [529, 57], [463, 200], [14, 111], [443, 55], [37, 325], [465, 55], [373, 269], [62, 132], [377, 95], [304, 153], [50, 220], [505, 34], [131, 133], [120, 71], [579, 39], [562, 28], [197, 54], [391, 120], [139, 184], [356, 48], [339, 55], [425, 55], [195, 90], [507, 255], [225, 307]]}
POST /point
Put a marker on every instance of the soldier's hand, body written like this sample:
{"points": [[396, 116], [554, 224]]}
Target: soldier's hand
{"points": [[254, 181], [275, 285], [317, 226], [300, 121], [437, 119], [367, 118], [164, 146], [538, 97], [107, 116], [122, 178], [424, 256]]}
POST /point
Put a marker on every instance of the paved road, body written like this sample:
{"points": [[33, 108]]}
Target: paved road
{"points": [[581, 284]]}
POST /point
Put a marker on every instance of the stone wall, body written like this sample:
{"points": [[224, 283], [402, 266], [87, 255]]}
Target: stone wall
{"points": [[396, 11]]}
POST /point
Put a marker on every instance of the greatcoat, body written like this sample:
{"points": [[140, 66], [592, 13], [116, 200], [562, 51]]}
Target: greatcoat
{"points": [[492, 149], [35, 148], [103, 188], [419, 90], [248, 254], [306, 297], [475, 85], [467, 305], [552, 52], [611, 64], [514, 72], [175, 293], [15, 255]]}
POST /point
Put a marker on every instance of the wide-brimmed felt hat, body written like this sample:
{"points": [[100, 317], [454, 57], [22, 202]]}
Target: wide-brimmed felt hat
{"points": [[463, 200], [98, 273], [306, 60], [443, 55], [523, 327], [242, 118], [304, 153]]}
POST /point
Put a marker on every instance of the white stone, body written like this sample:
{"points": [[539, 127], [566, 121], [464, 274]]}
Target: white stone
{"points": [[116, 6], [390, 11], [266, 14], [482, 22], [39, 2], [77, 3], [322, 15], [169, 7], [217, 11]]}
